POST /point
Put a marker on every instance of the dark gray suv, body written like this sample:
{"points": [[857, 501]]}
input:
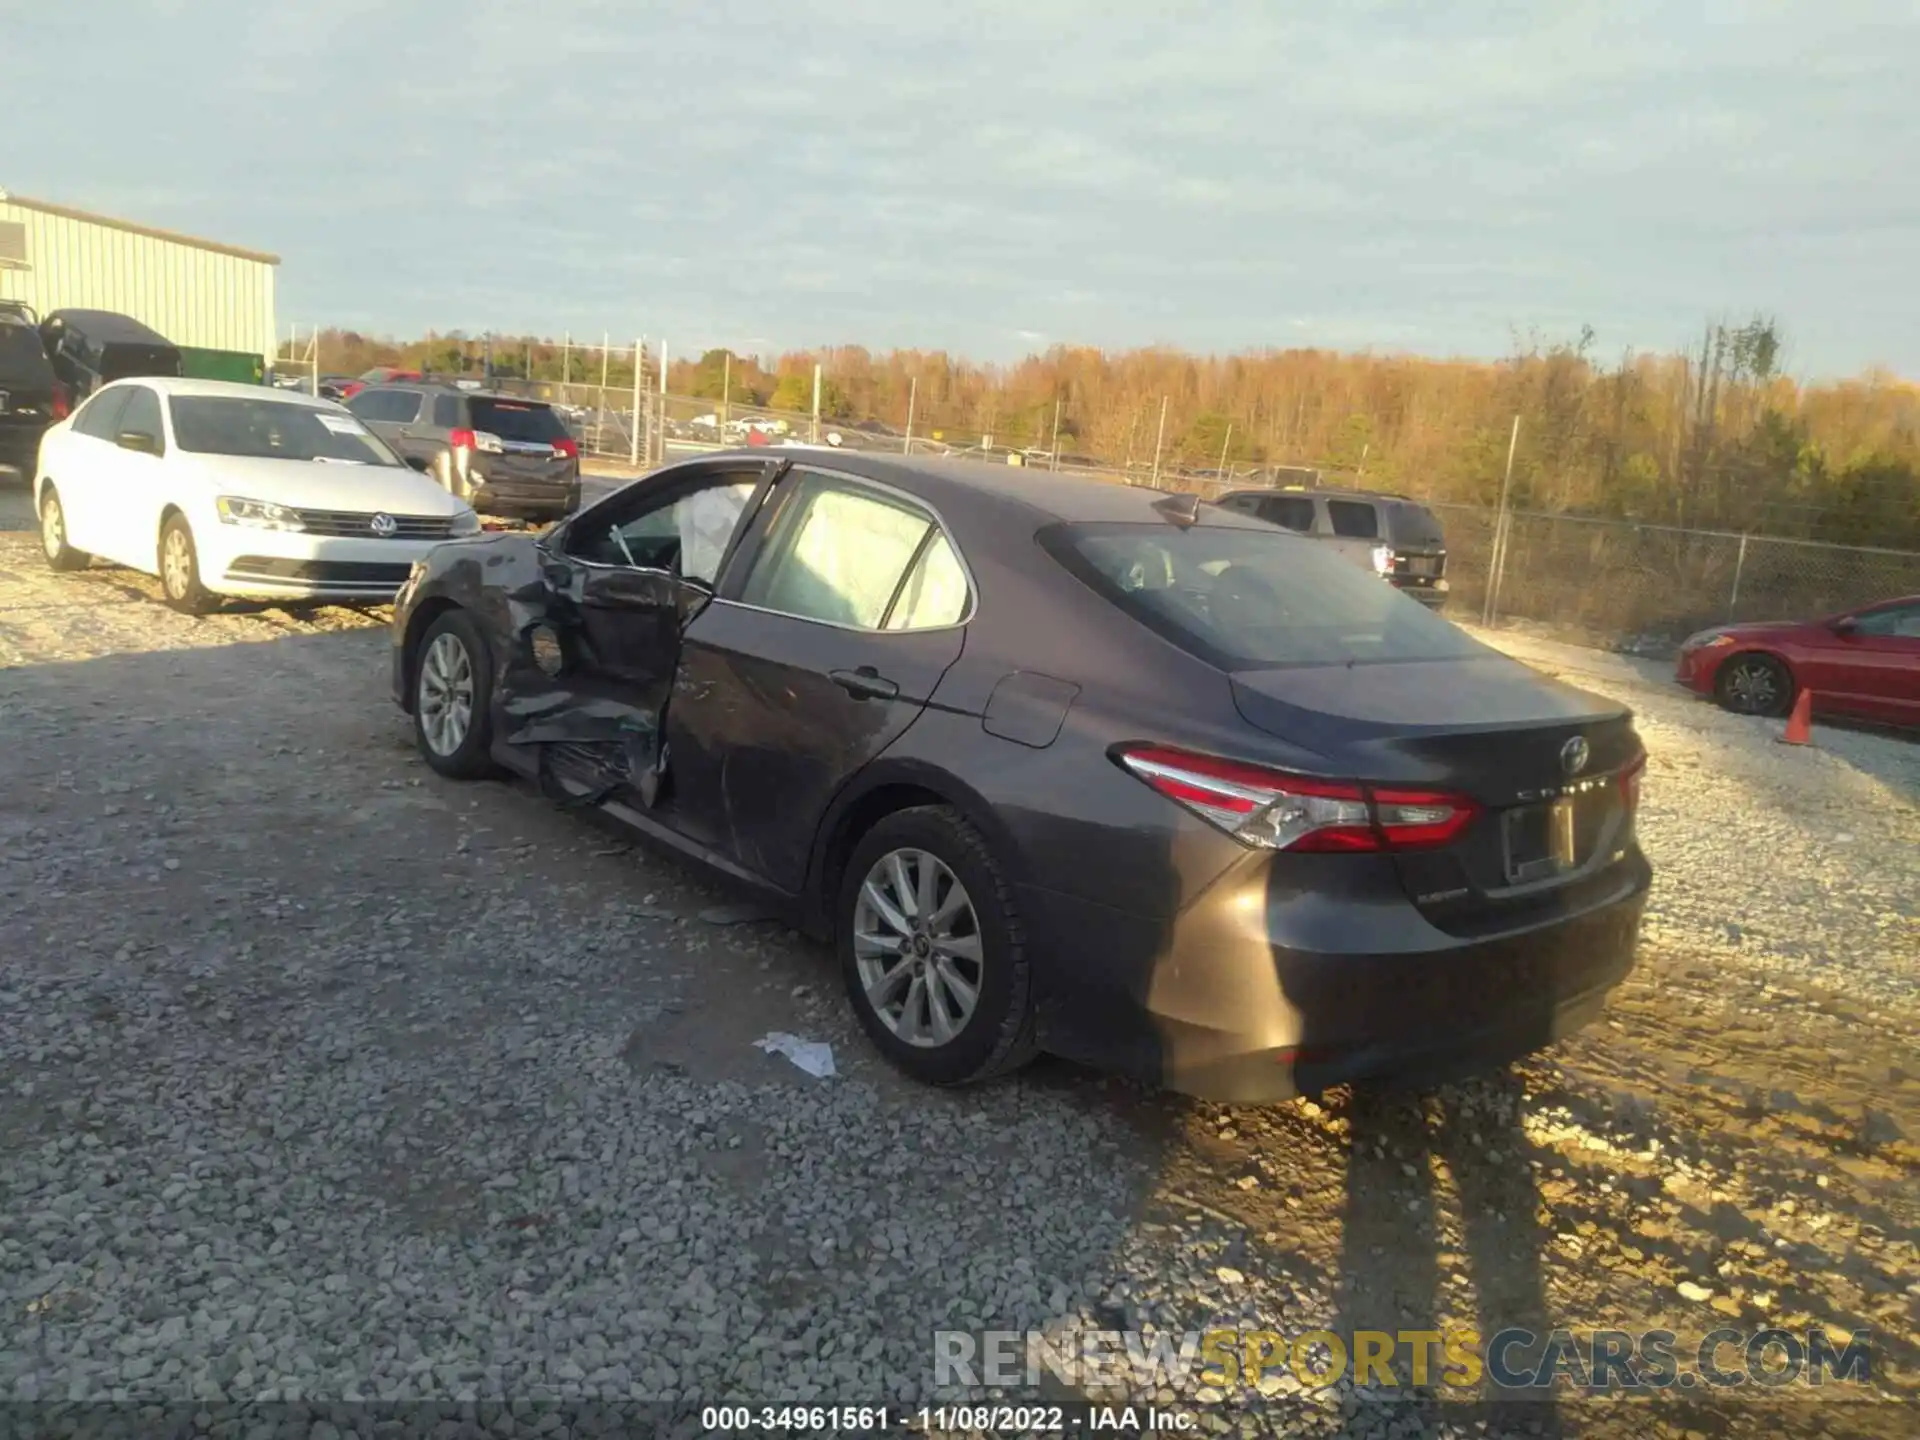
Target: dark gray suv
{"points": [[1399, 538], [502, 454]]}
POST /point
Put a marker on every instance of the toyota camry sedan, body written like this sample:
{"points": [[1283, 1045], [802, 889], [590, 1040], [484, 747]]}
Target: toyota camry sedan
{"points": [[1057, 765], [236, 490]]}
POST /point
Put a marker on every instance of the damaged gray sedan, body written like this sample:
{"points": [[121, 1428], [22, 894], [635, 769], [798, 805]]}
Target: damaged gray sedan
{"points": [[1057, 764]]}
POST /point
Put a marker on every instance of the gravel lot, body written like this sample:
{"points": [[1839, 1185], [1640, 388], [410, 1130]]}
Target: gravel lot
{"points": [[323, 1079]]}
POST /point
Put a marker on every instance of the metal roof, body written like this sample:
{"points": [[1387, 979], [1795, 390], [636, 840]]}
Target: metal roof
{"points": [[67, 212]]}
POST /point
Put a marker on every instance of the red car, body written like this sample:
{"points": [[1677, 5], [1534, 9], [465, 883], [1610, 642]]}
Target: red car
{"points": [[1864, 663], [379, 375]]}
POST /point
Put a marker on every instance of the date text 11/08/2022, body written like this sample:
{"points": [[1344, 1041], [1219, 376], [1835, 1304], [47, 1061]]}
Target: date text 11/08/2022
{"points": [[941, 1419]]}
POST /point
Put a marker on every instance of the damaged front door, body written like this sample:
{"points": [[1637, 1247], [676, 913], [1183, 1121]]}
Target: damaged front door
{"points": [[623, 580]]}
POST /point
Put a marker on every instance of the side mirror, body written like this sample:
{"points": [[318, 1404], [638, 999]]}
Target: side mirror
{"points": [[1846, 625], [138, 441], [420, 463]]}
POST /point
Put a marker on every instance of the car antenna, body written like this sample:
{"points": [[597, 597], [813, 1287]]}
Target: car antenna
{"points": [[1183, 509]]}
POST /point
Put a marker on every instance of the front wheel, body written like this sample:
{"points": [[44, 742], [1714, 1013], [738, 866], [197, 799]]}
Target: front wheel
{"points": [[1754, 685], [180, 569], [53, 535], [452, 690], [932, 950]]}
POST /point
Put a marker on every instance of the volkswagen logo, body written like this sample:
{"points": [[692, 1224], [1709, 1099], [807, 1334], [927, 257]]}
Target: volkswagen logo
{"points": [[385, 525], [1573, 755]]}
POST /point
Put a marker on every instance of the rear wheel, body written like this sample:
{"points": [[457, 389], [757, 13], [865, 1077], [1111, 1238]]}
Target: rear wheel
{"points": [[452, 690], [180, 569], [53, 535], [932, 950], [1754, 685]]}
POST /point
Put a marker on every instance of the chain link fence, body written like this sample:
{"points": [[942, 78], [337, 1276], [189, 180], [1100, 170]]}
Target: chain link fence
{"points": [[1646, 587]]}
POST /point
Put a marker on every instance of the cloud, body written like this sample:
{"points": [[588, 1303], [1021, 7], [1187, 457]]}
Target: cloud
{"points": [[979, 176]]}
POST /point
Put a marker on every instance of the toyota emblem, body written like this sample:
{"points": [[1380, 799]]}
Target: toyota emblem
{"points": [[385, 525], [1573, 755]]}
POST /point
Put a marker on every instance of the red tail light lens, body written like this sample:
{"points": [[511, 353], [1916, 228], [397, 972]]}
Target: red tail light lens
{"points": [[61, 406], [1274, 810], [570, 448], [1630, 779], [461, 439]]}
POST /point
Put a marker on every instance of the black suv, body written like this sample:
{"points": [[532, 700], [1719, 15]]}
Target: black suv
{"points": [[31, 398], [502, 454], [1403, 537]]}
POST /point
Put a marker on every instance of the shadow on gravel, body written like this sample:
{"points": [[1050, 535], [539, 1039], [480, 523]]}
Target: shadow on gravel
{"points": [[1400, 1269]]}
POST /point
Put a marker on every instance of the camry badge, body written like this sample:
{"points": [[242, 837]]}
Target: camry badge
{"points": [[1573, 755], [383, 526]]}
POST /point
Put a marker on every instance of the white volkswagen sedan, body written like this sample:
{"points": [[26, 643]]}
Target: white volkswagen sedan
{"points": [[224, 489]]}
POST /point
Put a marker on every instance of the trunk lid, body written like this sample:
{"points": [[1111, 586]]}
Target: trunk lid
{"points": [[1542, 759]]}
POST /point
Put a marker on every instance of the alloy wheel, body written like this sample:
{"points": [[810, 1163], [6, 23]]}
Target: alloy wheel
{"points": [[1753, 687], [446, 694], [176, 564], [53, 528], [917, 945]]}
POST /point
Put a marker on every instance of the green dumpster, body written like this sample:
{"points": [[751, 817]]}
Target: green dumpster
{"points": [[235, 365]]}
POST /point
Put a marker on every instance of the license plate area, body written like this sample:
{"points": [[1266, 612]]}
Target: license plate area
{"points": [[1426, 566], [1542, 841]]}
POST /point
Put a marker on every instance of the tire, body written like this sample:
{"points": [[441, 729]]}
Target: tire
{"points": [[179, 563], [996, 1036], [53, 535], [1754, 684], [452, 659]]}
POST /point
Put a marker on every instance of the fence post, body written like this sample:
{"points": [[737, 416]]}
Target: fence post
{"points": [[1056, 435], [913, 397], [1490, 610], [814, 438], [1739, 565], [1159, 436], [662, 426], [639, 364]]}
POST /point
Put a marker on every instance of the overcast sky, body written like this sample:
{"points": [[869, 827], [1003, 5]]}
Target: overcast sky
{"points": [[994, 177]]}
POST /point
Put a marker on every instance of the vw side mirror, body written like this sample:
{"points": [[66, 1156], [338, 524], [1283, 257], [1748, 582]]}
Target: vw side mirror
{"points": [[138, 441]]}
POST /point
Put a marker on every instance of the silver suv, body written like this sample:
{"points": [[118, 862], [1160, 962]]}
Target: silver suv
{"points": [[502, 454], [1398, 538]]}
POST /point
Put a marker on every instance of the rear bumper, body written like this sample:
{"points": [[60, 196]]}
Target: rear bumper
{"points": [[1209, 1004], [20, 448], [524, 497], [1431, 593]]}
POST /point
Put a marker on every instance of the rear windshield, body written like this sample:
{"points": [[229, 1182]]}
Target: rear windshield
{"points": [[22, 360], [269, 429], [517, 420], [1246, 599], [1415, 527]]}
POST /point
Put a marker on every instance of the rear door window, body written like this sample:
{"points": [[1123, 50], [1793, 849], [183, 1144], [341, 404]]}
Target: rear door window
{"points": [[1293, 511], [1245, 599], [143, 414], [446, 413], [100, 416], [517, 420], [1354, 519]]}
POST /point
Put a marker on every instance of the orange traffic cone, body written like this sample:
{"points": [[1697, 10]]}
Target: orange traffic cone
{"points": [[1800, 723]]}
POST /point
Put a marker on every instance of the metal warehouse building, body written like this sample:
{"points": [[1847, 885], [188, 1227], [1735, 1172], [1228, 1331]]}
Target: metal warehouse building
{"points": [[197, 293]]}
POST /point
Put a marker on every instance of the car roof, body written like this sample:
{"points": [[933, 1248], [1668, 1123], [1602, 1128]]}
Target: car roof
{"points": [[109, 327], [234, 389], [960, 488], [450, 388]]}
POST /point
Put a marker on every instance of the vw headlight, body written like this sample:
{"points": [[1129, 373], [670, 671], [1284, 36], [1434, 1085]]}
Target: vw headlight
{"points": [[465, 523], [257, 514]]}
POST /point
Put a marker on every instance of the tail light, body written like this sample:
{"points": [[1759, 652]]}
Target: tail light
{"points": [[570, 448], [1630, 779], [1274, 810], [461, 439], [61, 406], [475, 440]]}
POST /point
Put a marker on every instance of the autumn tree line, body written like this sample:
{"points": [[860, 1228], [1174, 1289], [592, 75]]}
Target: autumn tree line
{"points": [[1718, 437]]}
